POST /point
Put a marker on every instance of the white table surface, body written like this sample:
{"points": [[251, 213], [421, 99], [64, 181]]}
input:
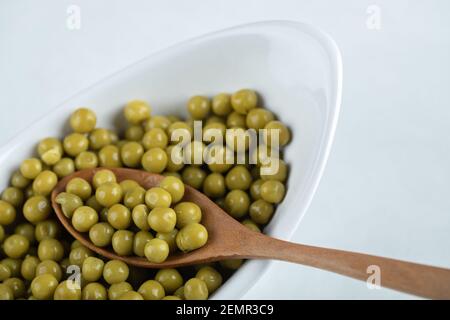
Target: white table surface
{"points": [[386, 187]]}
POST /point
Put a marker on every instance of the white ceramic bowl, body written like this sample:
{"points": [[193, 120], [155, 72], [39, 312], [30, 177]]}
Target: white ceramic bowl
{"points": [[296, 68]]}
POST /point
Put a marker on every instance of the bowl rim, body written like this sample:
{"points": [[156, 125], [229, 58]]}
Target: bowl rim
{"points": [[336, 75]]}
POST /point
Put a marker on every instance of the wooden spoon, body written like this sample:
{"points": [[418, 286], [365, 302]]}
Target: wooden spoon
{"points": [[229, 239]]}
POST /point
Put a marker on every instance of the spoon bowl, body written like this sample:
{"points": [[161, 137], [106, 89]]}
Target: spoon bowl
{"points": [[223, 230]]}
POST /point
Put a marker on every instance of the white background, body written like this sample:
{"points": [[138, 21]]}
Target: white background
{"points": [[386, 189]]}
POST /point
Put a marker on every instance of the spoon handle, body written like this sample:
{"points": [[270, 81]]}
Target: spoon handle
{"points": [[417, 279]]}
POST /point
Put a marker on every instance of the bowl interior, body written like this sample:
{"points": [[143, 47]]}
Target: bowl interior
{"points": [[295, 67]]}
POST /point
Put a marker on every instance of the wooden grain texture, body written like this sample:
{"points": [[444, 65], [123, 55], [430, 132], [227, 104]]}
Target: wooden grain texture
{"points": [[229, 239]]}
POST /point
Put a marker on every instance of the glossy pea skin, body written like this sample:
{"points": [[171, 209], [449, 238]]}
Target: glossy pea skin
{"points": [[84, 218], [50, 249], [17, 286], [161, 122], [212, 278], [134, 133], [109, 157], [67, 290], [191, 237], [195, 289], [86, 160], [134, 197], [101, 234], [261, 211], [64, 167], [50, 150], [174, 158], [75, 143], [117, 290], [109, 194], [27, 230], [6, 292], [79, 187], [258, 118], [44, 183], [36, 209], [99, 138], [128, 185], [174, 186], [140, 239], [214, 119], [151, 290], [115, 271], [119, 216], [255, 189], [236, 120], [244, 100], [275, 169], [171, 174], [214, 133], [28, 267], [49, 267], [69, 203], [43, 286], [13, 196], [30, 168], [93, 203], [162, 219], [19, 181], [180, 293], [193, 176], [13, 266], [214, 185], [131, 154], [199, 107], [83, 120], [137, 111], [170, 279], [103, 176], [92, 269], [158, 198], [221, 104], [5, 273], [79, 254], [237, 203], [272, 191], [170, 238], [154, 160], [278, 128], [179, 132], [131, 295], [7, 213], [156, 250], [186, 213], [15, 246], [94, 291], [155, 138], [140, 217], [122, 242]]}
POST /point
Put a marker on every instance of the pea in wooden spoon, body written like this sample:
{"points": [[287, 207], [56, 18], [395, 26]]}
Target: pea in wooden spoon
{"points": [[229, 239]]}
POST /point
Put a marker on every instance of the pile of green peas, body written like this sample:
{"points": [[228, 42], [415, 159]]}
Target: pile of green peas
{"points": [[38, 257], [116, 210]]}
